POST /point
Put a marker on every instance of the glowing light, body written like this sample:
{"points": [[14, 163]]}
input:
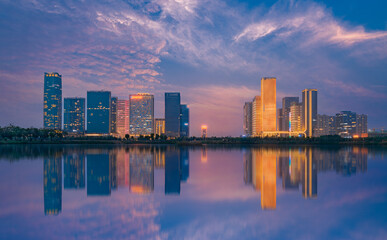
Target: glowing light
{"points": [[135, 97]]}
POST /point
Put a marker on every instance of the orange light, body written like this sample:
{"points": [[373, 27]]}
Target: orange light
{"points": [[135, 97], [137, 189], [355, 136], [204, 126]]}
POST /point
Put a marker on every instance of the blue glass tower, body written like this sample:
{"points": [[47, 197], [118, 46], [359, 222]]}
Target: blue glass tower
{"points": [[52, 101], [184, 120], [74, 115], [172, 114], [98, 112]]}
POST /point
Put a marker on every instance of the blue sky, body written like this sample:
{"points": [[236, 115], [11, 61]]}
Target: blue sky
{"points": [[213, 52]]}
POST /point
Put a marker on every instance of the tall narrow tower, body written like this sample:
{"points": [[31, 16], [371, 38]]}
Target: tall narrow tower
{"points": [[52, 101], [309, 111], [269, 108]]}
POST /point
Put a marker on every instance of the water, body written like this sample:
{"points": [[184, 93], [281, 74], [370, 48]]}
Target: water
{"points": [[165, 192]]}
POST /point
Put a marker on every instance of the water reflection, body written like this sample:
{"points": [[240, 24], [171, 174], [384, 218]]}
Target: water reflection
{"points": [[52, 183]]}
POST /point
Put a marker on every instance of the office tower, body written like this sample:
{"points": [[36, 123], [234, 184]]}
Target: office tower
{"points": [[247, 166], [325, 125], [295, 117], [257, 116], [159, 126], [141, 114], [309, 111], [184, 120], [309, 176], [122, 118], [141, 172], [286, 103], [280, 119], [204, 131], [184, 164], [172, 114], [346, 124], [74, 171], [248, 119], [113, 115], [52, 185], [98, 174], [361, 125], [74, 115], [269, 107], [98, 112], [52, 101], [172, 172]]}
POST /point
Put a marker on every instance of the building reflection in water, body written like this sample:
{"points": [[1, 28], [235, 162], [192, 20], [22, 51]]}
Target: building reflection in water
{"points": [[141, 171], [98, 174], [298, 167], [52, 170], [204, 155], [172, 172], [74, 171]]}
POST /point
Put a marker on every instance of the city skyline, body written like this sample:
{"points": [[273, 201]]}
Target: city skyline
{"points": [[156, 47]]}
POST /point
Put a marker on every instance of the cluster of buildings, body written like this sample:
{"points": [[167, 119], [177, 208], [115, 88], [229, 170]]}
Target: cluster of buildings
{"points": [[101, 114], [262, 118]]}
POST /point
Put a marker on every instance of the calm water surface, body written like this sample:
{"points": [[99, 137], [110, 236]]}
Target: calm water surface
{"points": [[164, 192]]}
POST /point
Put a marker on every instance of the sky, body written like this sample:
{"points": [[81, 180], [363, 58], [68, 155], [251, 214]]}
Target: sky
{"points": [[213, 52]]}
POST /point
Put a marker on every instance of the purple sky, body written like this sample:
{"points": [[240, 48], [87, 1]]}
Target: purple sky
{"points": [[214, 52]]}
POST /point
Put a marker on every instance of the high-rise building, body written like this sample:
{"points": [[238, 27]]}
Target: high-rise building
{"points": [[52, 185], [280, 119], [98, 112], [74, 171], [257, 116], [325, 125], [113, 115], [309, 111], [159, 126], [286, 103], [248, 118], [361, 125], [74, 115], [268, 101], [204, 131], [172, 172], [52, 101], [98, 174], [346, 124], [141, 114], [295, 117], [122, 118], [172, 114], [184, 120]]}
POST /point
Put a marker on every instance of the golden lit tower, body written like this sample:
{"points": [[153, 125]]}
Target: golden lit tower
{"points": [[159, 126], [268, 102], [257, 116], [309, 111]]}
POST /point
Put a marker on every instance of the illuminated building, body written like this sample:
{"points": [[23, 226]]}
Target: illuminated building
{"points": [[52, 101], [325, 125], [361, 125], [286, 104], [122, 118], [98, 174], [172, 172], [141, 172], [141, 114], [269, 179], [98, 112], [346, 123], [74, 115], [184, 164], [268, 101], [280, 119], [309, 176], [113, 115], [248, 118], [52, 185], [184, 120], [74, 171], [257, 116], [204, 131], [309, 111], [172, 114], [159, 126], [295, 117]]}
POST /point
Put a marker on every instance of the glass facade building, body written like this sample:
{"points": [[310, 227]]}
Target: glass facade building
{"points": [[52, 101], [122, 118], [184, 120], [98, 112], [74, 115], [141, 114], [172, 114]]}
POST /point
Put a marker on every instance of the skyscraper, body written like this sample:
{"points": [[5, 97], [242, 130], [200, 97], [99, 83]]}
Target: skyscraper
{"points": [[184, 120], [52, 101], [248, 118], [257, 116], [98, 112], [122, 118], [346, 123], [361, 125], [268, 101], [172, 114], [309, 111], [113, 115], [286, 103], [74, 115], [325, 125], [141, 114], [159, 126], [295, 117]]}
